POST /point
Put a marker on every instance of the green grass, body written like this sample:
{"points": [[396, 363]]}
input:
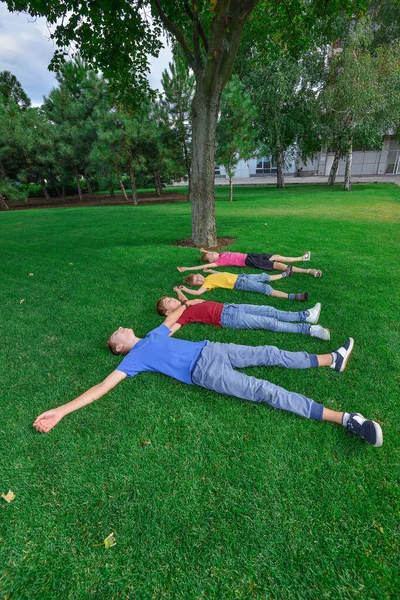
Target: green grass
{"points": [[230, 500]]}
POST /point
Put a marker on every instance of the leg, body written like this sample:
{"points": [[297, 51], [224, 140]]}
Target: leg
{"points": [[274, 313], [239, 319], [214, 371], [289, 259]]}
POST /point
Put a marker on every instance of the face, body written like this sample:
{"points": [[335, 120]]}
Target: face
{"points": [[197, 279], [212, 256], [123, 337], [171, 304]]}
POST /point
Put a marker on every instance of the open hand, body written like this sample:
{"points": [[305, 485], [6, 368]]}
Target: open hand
{"points": [[196, 301], [47, 420], [181, 269], [176, 288], [206, 270], [182, 287]]}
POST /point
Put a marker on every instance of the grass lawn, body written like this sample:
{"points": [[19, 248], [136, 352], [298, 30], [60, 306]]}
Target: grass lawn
{"points": [[229, 499]]}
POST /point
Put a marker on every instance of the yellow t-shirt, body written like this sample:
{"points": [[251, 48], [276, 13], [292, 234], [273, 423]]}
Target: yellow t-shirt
{"points": [[220, 280]]}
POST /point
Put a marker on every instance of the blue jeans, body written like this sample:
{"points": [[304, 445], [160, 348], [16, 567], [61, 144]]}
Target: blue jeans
{"points": [[215, 370], [248, 316], [253, 283]]}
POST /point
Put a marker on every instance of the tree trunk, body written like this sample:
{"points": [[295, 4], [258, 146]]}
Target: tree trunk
{"points": [[187, 163], [3, 203], [334, 168], [347, 172], [202, 195], [123, 190], [63, 191], [44, 190], [280, 181], [156, 176], [133, 183], [88, 185], [112, 193], [78, 181]]}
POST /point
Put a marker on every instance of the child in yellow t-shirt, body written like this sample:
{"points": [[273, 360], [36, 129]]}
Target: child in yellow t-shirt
{"points": [[246, 283]]}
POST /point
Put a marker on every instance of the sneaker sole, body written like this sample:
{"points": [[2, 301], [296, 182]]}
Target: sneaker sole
{"points": [[346, 358], [379, 435], [316, 318]]}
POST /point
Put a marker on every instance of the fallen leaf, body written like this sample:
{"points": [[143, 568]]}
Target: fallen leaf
{"points": [[30, 274], [110, 541], [8, 497], [70, 263], [144, 443], [21, 301]]}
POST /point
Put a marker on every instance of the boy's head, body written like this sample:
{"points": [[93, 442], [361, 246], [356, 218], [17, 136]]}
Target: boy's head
{"points": [[209, 257], [121, 341], [166, 305], [194, 279]]}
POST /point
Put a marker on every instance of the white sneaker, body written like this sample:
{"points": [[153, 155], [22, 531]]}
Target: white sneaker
{"points": [[313, 314], [320, 332]]}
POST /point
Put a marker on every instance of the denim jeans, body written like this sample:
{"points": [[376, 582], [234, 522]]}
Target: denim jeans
{"points": [[215, 370], [253, 283], [248, 316]]}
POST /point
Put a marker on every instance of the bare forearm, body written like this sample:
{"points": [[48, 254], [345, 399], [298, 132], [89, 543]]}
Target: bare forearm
{"points": [[181, 295], [173, 317], [94, 393]]}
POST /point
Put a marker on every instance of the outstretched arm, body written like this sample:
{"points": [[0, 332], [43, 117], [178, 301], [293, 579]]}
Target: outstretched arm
{"points": [[208, 270], [180, 294], [193, 292], [50, 418], [181, 269]]}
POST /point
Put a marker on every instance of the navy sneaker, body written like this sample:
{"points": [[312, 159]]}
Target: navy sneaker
{"points": [[367, 429], [341, 356]]}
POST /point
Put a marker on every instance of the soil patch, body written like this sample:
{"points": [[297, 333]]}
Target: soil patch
{"points": [[222, 242], [96, 200]]}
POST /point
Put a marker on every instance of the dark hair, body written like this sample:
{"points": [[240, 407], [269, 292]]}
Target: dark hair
{"points": [[204, 258], [160, 308]]}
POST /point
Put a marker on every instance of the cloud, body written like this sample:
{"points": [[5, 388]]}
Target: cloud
{"points": [[26, 51]]}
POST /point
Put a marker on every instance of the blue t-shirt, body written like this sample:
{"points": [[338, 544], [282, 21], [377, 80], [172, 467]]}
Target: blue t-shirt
{"points": [[159, 353]]}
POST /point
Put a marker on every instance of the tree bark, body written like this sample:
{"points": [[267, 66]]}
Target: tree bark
{"points": [[78, 181], [334, 168], [133, 182], [44, 190], [123, 190], [280, 181], [3, 203], [156, 177], [202, 194], [88, 185], [347, 172], [63, 191], [112, 193], [188, 165]]}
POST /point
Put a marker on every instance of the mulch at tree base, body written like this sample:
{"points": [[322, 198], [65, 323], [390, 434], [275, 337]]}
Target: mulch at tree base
{"points": [[222, 242], [96, 200]]}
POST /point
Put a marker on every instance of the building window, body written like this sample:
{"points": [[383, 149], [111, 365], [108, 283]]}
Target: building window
{"points": [[265, 167]]}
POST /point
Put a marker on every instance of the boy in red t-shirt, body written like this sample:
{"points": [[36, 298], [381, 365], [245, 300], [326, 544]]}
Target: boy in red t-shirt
{"points": [[242, 316], [266, 262]]}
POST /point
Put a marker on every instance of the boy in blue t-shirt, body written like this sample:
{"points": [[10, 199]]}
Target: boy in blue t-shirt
{"points": [[213, 366]]}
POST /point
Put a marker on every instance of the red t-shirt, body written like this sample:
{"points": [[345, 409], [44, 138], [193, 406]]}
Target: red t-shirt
{"points": [[205, 312]]}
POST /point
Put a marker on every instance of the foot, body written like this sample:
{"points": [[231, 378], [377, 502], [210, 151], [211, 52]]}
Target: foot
{"points": [[320, 332], [288, 271], [313, 314], [315, 272], [367, 429], [307, 256], [341, 356]]}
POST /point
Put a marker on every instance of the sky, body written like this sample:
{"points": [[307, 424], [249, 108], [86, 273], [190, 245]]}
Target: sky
{"points": [[26, 51]]}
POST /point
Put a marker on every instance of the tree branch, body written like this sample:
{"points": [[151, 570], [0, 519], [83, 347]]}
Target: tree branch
{"points": [[174, 29]]}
